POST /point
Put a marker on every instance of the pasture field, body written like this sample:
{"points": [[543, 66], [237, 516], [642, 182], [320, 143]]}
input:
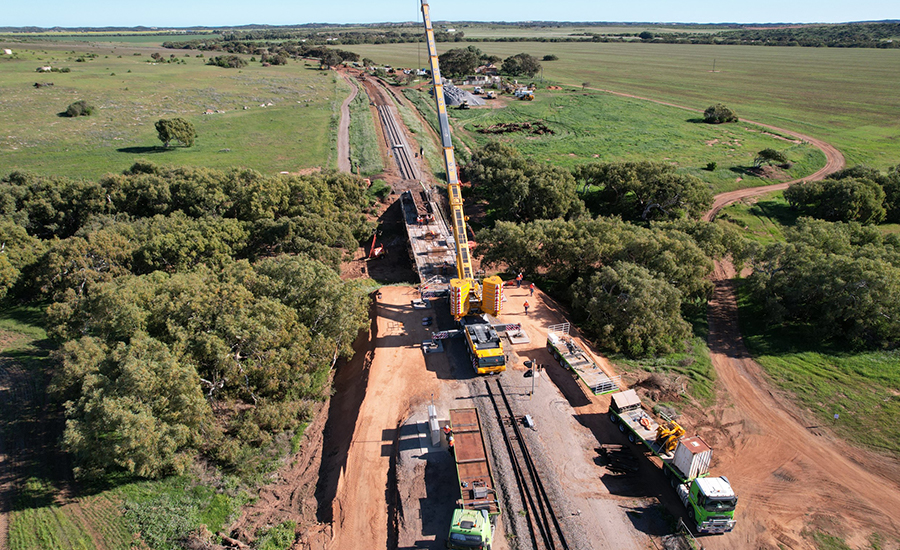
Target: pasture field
{"points": [[761, 219], [162, 511], [764, 219], [845, 96], [272, 119], [598, 127]]}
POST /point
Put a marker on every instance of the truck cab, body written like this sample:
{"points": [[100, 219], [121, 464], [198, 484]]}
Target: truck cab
{"points": [[710, 502], [470, 530], [485, 346]]}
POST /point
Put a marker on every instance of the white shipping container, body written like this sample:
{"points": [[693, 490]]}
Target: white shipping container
{"points": [[692, 457]]}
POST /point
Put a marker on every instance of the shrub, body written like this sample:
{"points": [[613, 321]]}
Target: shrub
{"points": [[711, 166], [227, 61], [550, 57], [79, 108], [718, 113]]}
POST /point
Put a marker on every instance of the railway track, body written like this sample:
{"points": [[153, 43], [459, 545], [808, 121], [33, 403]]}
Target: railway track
{"points": [[397, 144], [543, 526]]}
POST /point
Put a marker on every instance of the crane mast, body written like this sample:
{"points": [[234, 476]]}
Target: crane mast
{"points": [[465, 292]]}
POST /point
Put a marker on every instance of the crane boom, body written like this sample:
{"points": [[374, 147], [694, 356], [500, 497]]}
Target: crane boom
{"points": [[463, 261]]}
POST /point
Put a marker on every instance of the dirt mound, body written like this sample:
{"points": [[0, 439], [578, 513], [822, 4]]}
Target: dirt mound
{"points": [[534, 128]]}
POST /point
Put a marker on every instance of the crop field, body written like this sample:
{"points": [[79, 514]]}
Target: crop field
{"points": [[270, 119], [597, 127], [146, 39], [846, 96], [501, 31]]}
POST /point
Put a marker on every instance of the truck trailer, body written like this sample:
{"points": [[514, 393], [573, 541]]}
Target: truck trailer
{"points": [[472, 527], [710, 501], [571, 356]]}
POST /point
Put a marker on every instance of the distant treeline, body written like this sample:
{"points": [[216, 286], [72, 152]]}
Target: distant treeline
{"points": [[851, 35], [266, 50]]}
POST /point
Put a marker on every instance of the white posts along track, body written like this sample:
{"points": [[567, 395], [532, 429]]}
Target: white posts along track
{"points": [[538, 507], [396, 142]]}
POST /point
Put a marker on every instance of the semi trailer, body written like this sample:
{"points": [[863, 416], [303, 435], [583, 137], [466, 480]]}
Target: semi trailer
{"points": [[710, 501], [473, 523]]}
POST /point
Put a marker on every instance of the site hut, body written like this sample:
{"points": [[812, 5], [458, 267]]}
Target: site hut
{"points": [[7, 52]]}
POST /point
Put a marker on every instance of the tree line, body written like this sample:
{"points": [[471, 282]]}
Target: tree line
{"points": [[619, 242], [848, 35], [859, 194], [275, 53], [459, 62], [195, 310], [623, 245]]}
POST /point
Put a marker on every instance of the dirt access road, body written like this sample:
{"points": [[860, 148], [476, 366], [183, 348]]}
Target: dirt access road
{"points": [[343, 144], [790, 474]]}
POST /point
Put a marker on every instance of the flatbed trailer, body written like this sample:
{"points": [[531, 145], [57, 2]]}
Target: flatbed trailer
{"points": [[476, 484], [571, 356], [710, 501]]}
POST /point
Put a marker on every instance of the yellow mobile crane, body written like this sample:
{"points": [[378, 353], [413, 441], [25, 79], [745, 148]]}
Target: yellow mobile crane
{"points": [[467, 296]]}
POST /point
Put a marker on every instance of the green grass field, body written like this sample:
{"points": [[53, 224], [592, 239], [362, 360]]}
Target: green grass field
{"points": [[597, 127], [761, 219], [842, 95], [764, 219], [365, 153], [297, 131]]}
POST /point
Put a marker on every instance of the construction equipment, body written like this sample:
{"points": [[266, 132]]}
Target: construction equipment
{"points": [[490, 95], [376, 252], [463, 105], [478, 90], [571, 356], [710, 501], [469, 298], [524, 94], [473, 521]]}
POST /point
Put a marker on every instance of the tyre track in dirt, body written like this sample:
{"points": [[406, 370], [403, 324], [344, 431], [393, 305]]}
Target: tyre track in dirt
{"points": [[343, 146], [789, 474]]}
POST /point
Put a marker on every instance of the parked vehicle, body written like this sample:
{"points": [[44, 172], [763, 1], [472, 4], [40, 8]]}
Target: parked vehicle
{"points": [[710, 501], [473, 523]]}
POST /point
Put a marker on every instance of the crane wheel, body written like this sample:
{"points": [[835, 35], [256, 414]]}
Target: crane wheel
{"points": [[612, 418]]}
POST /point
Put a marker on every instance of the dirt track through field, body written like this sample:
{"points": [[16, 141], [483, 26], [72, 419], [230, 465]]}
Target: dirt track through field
{"points": [[344, 127], [791, 475], [834, 159]]}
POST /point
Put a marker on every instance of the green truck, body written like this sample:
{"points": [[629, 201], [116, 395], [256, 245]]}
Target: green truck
{"points": [[473, 522], [710, 501]]}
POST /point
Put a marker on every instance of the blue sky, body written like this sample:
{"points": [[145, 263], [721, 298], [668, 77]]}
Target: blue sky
{"points": [[174, 13]]}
